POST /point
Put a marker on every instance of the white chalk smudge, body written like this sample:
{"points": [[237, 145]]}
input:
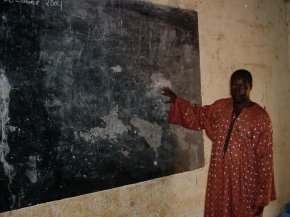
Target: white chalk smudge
{"points": [[182, 133], [31, 173], [125, 153], [114, 127], [150, 131], [12, 128], [157, 82], [117, 69]]}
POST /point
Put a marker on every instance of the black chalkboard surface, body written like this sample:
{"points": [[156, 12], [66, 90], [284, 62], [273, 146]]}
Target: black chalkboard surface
{"points": [[80, 102]]}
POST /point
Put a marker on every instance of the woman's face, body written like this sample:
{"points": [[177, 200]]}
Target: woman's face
{"points": [[240, 90]]}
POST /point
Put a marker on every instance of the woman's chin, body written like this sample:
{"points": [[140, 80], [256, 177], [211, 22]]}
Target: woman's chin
{"points": [[238, 99]]}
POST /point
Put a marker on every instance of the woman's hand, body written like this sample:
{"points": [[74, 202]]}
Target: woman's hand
{"points": [[166, 91]]}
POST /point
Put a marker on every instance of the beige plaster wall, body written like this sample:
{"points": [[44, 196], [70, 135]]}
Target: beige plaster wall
{"points": [[233, 34]]}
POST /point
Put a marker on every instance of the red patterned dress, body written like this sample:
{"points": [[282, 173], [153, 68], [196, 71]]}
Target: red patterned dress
{"points": [[241, 175]]}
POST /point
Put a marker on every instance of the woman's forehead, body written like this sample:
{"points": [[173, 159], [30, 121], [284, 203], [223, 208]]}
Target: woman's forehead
{"points": [[239, 80]]}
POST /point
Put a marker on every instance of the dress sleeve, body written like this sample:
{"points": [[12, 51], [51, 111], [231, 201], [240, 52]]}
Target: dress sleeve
{"points": [[193, 117], [264, 152]]}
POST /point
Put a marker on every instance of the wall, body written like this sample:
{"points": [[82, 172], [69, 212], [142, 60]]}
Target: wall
{"points": [[233, 33]]}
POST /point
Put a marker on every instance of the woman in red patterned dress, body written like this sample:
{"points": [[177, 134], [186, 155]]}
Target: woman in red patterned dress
{"points": [[240, 178]]}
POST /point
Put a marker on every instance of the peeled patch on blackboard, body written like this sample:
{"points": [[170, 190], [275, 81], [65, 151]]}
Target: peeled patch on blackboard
{"points": [[5, 89], [80, 103]]}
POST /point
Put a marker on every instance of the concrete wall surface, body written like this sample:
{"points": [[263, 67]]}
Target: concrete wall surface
{"points": [[233, 34]]}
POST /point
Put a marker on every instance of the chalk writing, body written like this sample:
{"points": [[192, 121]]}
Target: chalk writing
{"points": [[53, 3], [46, 3]]}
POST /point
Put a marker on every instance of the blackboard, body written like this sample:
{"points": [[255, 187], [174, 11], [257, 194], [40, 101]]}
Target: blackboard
{"points": [[80, 104]]}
